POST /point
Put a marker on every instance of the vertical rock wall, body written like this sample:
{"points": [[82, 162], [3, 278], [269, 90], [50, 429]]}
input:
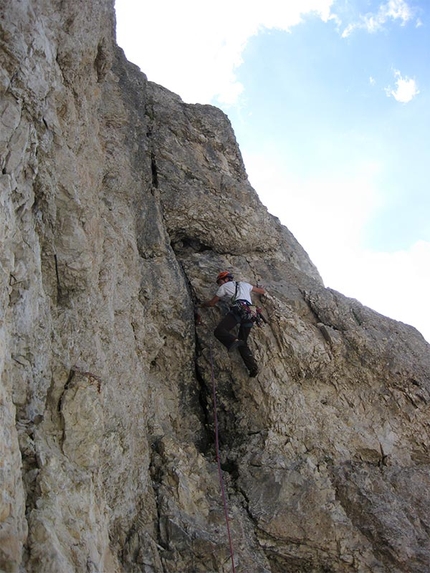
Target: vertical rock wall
{"points": [[119, 205]]}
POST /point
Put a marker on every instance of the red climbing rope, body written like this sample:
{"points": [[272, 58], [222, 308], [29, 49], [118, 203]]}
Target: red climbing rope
{"points": [[218, 459]]}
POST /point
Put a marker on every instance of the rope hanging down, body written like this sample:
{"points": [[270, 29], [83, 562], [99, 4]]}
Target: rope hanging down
{"points": [[218, 459]]}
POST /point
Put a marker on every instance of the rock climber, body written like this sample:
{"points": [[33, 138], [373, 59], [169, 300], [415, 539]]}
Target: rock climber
{"points": [[238, 295]]}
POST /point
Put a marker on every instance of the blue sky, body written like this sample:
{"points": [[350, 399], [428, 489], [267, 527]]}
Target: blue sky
{"points": [[330, 104]]}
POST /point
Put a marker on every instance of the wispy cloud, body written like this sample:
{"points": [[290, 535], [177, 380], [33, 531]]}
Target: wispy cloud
{"points": [[396, 10], [406, 88], [393, 10]]}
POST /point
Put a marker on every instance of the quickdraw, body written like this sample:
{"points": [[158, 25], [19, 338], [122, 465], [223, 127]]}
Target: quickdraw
{"points": [[249, 312]]}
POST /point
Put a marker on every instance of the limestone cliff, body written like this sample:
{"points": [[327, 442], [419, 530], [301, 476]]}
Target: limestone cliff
{"points": [[119, 205]]}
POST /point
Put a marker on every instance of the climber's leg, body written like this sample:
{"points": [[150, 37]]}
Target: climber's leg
{"points": [[222, 331]]}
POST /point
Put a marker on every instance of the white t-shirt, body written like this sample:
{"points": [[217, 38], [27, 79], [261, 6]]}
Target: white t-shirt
{"points": [[227, 291]]}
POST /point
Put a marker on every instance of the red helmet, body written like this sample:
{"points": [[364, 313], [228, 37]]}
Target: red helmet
{"points": [[224, 275]]}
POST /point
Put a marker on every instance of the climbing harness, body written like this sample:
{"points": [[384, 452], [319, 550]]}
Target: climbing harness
{"points": [[247, 312], [221, 481]]}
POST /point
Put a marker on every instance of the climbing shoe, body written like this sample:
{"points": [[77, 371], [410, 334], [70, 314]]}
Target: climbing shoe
{"points": [[253, 372], [235, 344]]}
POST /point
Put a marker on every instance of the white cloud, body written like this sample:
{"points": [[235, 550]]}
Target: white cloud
{"points": [[194, 51], [392, 10], [406, 88], [396, 10]]}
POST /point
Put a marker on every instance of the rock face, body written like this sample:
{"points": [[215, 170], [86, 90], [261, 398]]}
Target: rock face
{"points": [[119, 205]]}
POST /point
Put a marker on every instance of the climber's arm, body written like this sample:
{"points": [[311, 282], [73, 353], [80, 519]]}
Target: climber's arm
{"points": [[258, 290], [212, 302]]}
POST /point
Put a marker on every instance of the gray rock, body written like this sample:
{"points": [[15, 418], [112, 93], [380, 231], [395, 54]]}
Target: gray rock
{"points": [[120, 204]]}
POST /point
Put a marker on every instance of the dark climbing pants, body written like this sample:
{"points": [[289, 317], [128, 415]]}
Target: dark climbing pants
{"points": [[223, 333]]}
